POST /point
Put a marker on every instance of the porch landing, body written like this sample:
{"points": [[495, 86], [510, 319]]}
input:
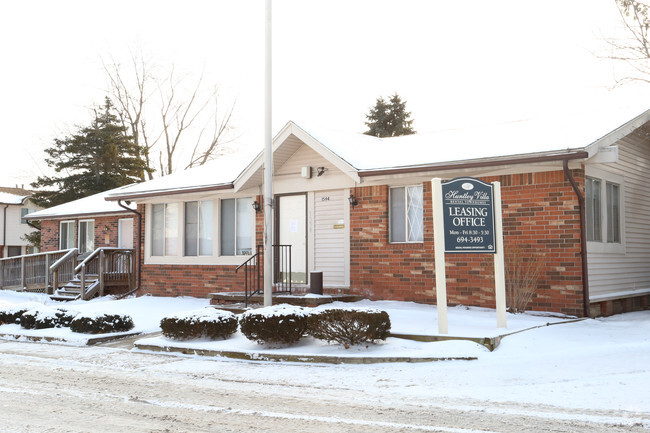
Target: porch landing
{"points": [[238, 299]]}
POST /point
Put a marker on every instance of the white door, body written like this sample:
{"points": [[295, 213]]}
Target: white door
{"points": [[125, 233], [292, 230]]}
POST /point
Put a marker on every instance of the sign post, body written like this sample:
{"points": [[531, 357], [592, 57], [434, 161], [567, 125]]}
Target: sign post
{"points": [[467, 219]]}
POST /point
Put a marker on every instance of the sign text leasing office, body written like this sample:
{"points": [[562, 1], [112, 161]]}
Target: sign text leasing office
{"points": [[468, 212]]}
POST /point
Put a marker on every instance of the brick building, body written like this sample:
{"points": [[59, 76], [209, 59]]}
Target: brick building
{"points": [[359, 210], [87, 224]]}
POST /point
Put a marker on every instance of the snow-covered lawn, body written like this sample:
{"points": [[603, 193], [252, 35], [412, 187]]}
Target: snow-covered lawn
{"points": [[595, 363]]}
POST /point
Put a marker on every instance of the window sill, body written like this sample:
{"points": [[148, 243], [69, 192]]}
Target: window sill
{"points": [[605, 248], [194, 260]]}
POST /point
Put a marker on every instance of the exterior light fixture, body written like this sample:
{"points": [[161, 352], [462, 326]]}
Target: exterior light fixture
{"points": [[353, 200], [320, 171], [257, 206]]}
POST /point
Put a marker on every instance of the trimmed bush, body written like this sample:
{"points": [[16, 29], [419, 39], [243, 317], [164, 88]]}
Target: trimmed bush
{"points": [[46, 318], [11, 315], [205, 323], [277, 324], [349, 326], [101, 323]]}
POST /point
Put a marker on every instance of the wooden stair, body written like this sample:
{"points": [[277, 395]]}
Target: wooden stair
{"points": [[71, 291]]}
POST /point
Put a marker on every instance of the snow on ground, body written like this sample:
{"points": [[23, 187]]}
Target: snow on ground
{"points": [[591, 364]]}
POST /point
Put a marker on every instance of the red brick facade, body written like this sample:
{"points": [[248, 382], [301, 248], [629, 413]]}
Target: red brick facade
{"points": [[106, 231], [540, 214]]}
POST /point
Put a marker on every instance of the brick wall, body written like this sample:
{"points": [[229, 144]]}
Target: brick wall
{"points": [[540, 215], [106, 231]]}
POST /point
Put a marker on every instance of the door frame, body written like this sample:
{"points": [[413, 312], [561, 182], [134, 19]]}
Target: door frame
{"points": [[276, 229]]}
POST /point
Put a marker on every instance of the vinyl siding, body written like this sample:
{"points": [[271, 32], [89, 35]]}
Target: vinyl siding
{"points": [[613, 273]]}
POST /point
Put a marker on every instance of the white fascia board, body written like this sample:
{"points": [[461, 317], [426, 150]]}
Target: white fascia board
{"points": [[289, 129], [618, 133]]}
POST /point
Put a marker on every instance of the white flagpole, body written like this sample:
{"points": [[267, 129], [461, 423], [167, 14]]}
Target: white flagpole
{"points": [[268, 164]]}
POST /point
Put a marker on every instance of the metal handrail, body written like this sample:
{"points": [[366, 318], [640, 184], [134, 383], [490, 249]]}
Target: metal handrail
{"points": [[282, 267]]}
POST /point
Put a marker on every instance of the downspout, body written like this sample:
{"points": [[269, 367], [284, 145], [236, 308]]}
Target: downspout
{"points": [[583, 237], [137, 251], [4, 230]]}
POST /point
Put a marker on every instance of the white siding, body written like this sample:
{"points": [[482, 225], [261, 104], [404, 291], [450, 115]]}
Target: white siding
{"points": [[331, 237], [617, 273]]}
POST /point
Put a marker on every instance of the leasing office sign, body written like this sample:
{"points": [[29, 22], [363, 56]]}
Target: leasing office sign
{"points": [[468, 213]]}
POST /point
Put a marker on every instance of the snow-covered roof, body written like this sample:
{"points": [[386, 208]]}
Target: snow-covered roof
{"points": [[92, 205], [552, 134], [8, 198], [216, 174], [581, 134]]}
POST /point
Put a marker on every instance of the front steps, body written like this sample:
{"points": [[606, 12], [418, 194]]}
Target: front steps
{"points": [[71, 291], [238, 299]]}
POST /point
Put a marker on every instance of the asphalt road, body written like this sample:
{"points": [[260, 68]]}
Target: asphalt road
{"points": [[53, 388]]}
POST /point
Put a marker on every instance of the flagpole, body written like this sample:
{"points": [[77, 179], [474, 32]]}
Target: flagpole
{"points": [[268, 164]]}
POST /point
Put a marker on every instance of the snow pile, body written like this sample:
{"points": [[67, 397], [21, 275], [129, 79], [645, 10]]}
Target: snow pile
{"points": [[277, 311]]}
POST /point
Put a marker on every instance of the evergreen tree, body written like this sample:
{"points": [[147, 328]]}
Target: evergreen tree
{"points": [[97, 158], [389, 119]]}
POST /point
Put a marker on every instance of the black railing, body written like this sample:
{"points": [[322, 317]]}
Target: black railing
{"points": [[254, 271]]}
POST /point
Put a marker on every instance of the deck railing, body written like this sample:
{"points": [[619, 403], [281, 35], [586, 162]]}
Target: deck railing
{"points": [[30, 272], [111, 265]]}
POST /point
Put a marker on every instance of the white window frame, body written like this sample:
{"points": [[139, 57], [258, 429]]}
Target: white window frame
{"points": [[92, 235], [74, 230], [603, 245], [179, 258], [238, 248], [391, 217], [199, 224]]}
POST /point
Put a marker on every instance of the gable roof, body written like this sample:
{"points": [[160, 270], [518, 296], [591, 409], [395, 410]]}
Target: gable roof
{"points": [[92, 205]]}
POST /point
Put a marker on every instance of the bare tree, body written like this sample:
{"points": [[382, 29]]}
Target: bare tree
{"points": [[635, 48], [169, 114]]}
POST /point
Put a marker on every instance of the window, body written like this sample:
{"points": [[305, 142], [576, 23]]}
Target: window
{"points": [[13, 251], [603, 215], [125, 233], [86, 236], [66, 235], [406, 214], [237, 226], [613, 199], [198, 228], [164, 229], [593, 209], [23, 211]]}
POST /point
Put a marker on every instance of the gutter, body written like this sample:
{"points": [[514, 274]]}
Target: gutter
{"points": [[583, 237], [137, 195], [137, 251], [477, 164]]}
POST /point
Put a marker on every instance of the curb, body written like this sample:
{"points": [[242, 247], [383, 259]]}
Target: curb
{"points": [[322, 359]]}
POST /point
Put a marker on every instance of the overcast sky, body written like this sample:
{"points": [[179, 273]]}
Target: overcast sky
{"points": [[454, 63]]}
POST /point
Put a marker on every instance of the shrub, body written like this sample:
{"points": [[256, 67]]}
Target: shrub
{"points": [[277, 324], [101, 323], [523, 270], [42, 318], [205, 323], [349, 326], [12, 314]]}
